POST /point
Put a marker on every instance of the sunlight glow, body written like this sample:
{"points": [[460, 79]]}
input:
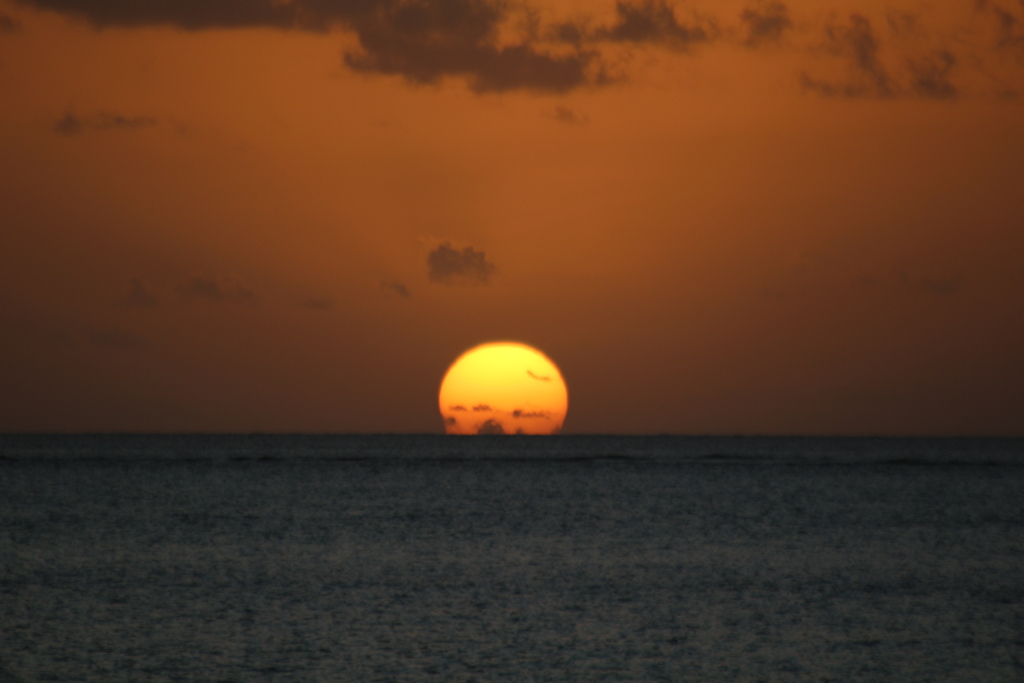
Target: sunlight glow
{"points": [[503, 388]]}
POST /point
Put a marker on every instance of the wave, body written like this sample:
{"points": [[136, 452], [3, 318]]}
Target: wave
{"points": [[251, 449]]}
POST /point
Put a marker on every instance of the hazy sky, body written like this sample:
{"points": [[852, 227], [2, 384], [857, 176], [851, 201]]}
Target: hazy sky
{"points": [[715, 216]]}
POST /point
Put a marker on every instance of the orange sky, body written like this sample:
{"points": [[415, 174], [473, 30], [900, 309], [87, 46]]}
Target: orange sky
{"points": [[716, 217]]}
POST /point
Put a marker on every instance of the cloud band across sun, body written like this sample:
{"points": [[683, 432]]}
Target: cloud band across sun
{"points": [[499, 381]]}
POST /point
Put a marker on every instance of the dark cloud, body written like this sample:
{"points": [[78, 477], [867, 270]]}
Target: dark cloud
{"points": [[830, 89], [187, 14], [117, 339], [491, 426], [652, 21], [541, 378], [8, 24], [449, 266], [457, 408], [567, 115], [449, 421], [139, 296], [482, 408], [1009, 27], [930, 77], [428, 40], [108, 121], [419, 40], [567, 32], [396, 287], [856, 42], [69, 124], [72, 124], [206, 289], [518, 412], [765, 23]]}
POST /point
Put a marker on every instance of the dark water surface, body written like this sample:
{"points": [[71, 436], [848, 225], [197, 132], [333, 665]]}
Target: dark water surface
{"points": [[383, 558]]}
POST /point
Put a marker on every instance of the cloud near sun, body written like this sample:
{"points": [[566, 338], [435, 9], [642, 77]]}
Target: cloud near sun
{"points": [[864, 50], [451, 266], [503, 388]]}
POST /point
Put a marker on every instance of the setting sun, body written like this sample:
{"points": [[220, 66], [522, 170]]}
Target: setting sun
{"points": [[503, 388]]}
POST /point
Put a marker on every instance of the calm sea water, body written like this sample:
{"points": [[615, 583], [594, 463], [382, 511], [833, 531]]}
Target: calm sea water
{"points": [[383, 558]]}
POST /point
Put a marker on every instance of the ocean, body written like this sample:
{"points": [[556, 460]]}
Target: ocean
{"points": [[569, 558]]}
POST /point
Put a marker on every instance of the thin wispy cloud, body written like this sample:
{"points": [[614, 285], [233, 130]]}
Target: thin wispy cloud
{"points": [[217, 291], [139, 296], [539, 414], [396, 288], [72, 124], [765, 22], [8, 24], [569, 116]]}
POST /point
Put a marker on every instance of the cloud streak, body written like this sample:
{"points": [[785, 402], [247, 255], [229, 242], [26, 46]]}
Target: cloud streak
{"points": [[216, 290], [520, 413], [396, 288], [569, 116], [139, 296], [71, 124]]}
